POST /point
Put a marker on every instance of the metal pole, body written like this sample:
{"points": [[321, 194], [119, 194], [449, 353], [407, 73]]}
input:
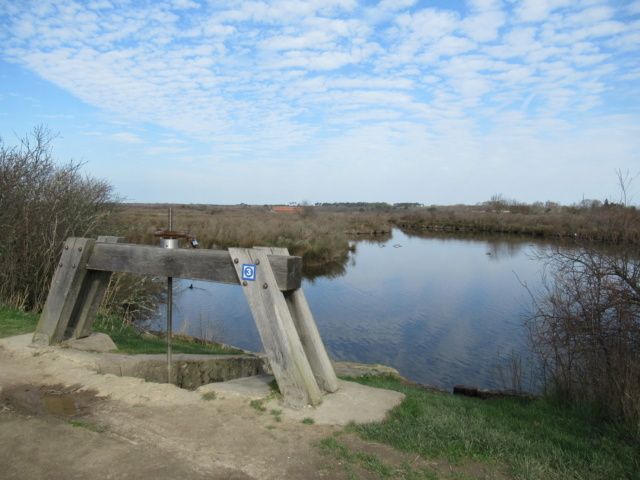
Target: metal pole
{"points": [[169, 309]]}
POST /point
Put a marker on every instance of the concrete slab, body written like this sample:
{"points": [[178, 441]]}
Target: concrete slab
{"points": [[95, 342], [254, 388], [351, 403]]}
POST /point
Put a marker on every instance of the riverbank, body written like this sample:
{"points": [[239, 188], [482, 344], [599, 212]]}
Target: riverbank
{"points": [[131, 428]]}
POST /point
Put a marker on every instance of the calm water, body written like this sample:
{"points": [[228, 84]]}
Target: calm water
{"points": [[440, 309]]}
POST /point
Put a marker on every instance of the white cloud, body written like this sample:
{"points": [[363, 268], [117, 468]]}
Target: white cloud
{"points": [[126, 137], [483, 27], [633, 8], [184, 4], [539, 10], [165, 150], [273, 77]]}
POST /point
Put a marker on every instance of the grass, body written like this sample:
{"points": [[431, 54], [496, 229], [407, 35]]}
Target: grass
{"points": [[124, 335], [538, 439], [351, 461], [14, 322], [258, 405], [277, 415], [89, 426], [128, 340]]}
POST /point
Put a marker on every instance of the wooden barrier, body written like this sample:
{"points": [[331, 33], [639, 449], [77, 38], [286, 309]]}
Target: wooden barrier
{"points": [[270, 277]]}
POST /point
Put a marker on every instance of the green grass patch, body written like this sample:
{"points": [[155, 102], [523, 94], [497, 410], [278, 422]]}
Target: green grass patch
{"points": [[14, 322], [351, 461], [538, 439], [277, 415], [258, 405], [124, 335], [129, 340], [89, 426]]}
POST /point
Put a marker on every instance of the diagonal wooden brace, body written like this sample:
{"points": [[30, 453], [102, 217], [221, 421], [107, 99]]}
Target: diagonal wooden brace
{"points": [[75, 294], [276, 327], [93, 291], [66, 286], [308, 332]]}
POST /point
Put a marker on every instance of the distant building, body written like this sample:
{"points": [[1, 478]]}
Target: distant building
{"points": [[287, 209]]}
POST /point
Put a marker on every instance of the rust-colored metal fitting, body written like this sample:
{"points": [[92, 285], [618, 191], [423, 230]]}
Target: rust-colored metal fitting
{"points": [[235, 260], [244, 284], [265, 286]]}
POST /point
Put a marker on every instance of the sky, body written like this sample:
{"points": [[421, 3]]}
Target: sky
{"points": [[268, 102]]}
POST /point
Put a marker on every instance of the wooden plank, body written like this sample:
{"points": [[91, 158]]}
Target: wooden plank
{"points": [[65, 288], [308, 333], [194, 264], [93, 292], [277, 331]]}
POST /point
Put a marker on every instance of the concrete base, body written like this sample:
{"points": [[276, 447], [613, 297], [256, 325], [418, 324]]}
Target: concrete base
{"points": [[95, 342], [351, 403]]}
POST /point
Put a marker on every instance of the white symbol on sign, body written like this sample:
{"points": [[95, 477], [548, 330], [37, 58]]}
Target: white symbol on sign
{"points": [[248, 272]]}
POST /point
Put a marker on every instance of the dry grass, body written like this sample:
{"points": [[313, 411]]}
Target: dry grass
{"points": [[607, 224], [321, 237]]}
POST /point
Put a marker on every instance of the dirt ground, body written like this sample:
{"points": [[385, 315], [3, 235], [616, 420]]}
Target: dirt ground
{"points": [[61, 420]]}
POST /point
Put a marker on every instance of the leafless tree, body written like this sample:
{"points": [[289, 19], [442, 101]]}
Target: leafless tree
{"points": [[43, 202], [584, 324], [497, 203]]}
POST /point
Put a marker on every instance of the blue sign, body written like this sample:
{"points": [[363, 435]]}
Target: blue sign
{"points": [[248, 272]]}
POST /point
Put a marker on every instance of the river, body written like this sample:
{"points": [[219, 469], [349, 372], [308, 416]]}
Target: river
{"points": [[442, 309]]}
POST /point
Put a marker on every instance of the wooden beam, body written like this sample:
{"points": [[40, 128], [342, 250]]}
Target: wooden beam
{"points": [[195, 264]]}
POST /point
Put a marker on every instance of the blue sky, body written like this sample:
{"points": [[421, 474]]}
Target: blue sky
{"points": [[437, 102]]}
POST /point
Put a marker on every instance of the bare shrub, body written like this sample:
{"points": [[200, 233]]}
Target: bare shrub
{"points": [[515, 372], [42, 203], [585, 321], [133, 297]]}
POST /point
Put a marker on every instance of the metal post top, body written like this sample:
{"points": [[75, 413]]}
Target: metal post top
{"points": [[175, 236]]}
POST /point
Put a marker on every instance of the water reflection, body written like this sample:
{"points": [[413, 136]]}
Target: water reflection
{"points": [[437, 307]]}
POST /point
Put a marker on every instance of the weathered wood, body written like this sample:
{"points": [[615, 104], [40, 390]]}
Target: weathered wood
{"points": [[66, 286], [308, 332], [277, 330], [93, 292], [208, 265], [285, 323]]}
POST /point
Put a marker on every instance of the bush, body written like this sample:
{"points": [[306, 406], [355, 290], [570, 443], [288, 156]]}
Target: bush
{"points": [[41, 204], [585, 322]]}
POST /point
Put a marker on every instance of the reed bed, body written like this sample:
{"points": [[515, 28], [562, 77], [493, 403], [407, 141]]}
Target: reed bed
{"points": [[322, 238], [606, 224]]}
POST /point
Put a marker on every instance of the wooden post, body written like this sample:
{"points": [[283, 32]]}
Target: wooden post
{"points": [[277, 330], [93, 292], [65, 290], [308, 333]]}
